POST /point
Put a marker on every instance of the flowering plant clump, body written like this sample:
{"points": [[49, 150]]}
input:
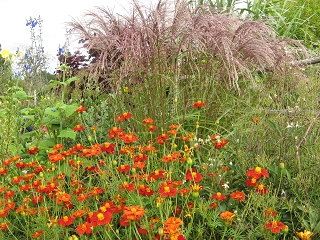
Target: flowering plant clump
{"points": [[128, 187]]}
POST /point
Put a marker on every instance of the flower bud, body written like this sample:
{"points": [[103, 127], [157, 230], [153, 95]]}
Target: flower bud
{"points": [[281, 165]]}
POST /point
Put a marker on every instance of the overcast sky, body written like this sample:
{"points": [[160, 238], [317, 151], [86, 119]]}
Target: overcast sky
{"points": [[54, 13]]}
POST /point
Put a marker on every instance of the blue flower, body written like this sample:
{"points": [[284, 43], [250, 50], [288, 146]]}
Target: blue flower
{"points": [[61, 51], [25, 57], [34, 22], [28, 68], [16, 74], [28, 23]]}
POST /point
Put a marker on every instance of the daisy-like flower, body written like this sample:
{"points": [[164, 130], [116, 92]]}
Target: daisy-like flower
{"points": [[219, 196], [257, 173], [33, 150], [100, 218], [192, 175], [65, 221], [199, 104], [238, 196], [275, 226], [81, 109], [37, 234], [262, 189], [227, 217], [85, 228], [78, 128], [305, 235], [133, 213], [167, 190]]}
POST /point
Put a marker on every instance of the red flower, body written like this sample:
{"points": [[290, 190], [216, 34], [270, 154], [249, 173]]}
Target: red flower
{"points": [[78, 128], [65, 221], [123, 117], [144, 190], [127, 186], [33, 150], [221, 143], [219, 196], [124, 168], [192, 175], [262, 189], [270, 212], [275, 226], [108, 147], [115, 132], [251, 182], [100, 218], [85, 228], [257, 173], [167, 190], [4, 226], [238, 196], [213, 205], [129, 138], [81, 109], [199, 104]]}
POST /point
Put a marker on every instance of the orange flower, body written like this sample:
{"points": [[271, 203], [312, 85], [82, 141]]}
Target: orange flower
{"points": [[85, 228], [172, 226], [304, 235], [255, 120], [65, 221], [238, 196], [199, 104], [219, 196], [78, 214], [37, 234], [58, 146], [133, 212], [129, 138], [63, 198], [147, 121], [227, 217], [275, 226]]}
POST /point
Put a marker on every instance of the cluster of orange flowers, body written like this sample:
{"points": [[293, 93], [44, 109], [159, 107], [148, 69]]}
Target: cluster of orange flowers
{"points": [[128, 164]]}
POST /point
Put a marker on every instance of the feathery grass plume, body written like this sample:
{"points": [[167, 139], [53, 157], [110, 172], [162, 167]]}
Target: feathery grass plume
{"points": [[154, 39]]}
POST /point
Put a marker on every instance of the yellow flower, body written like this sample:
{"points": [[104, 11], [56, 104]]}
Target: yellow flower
{"points": [[5, 53], [304, 235]]}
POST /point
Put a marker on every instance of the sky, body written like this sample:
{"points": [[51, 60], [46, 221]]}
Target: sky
{"points": [[54, 13]]}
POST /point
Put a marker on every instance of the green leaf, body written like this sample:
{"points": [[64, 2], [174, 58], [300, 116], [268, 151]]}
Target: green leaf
{"points": [[47, 143], [70, 109], [52, 112], [68, 133], [20, 95], [70, 80]]}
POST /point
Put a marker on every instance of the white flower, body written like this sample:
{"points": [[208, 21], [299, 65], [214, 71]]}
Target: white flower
{"points": [[226, 186]]}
